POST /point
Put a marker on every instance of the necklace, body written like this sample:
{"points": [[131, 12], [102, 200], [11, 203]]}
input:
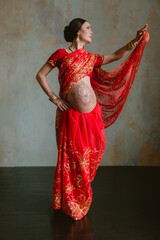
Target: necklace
{"points": [[71, 49]]}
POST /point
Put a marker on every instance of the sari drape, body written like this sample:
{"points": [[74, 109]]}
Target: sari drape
{"points": [[112, 88], [81, 137]]}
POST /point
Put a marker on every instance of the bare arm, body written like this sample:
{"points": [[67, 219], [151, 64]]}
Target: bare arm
{"points": [[41, 78], [124, 50], [117, 55]]}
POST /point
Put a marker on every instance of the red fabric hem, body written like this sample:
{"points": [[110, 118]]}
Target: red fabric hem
{"points": [[67, 213]]}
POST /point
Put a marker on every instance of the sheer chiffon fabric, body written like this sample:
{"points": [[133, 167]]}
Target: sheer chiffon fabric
{"points": [[112, 88], [81, 147]]}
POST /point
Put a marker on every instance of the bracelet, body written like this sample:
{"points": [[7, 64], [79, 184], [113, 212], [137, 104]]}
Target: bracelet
{"points": [[131, 45], [53, 97]]}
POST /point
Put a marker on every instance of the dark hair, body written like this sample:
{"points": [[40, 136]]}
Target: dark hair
{"points": [[70, 31]]}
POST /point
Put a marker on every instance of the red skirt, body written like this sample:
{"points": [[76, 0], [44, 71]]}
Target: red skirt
{"points": [[81, 145]]}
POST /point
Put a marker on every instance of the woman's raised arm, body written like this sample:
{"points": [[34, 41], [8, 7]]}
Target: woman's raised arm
{"points": [[118, 54], [125, 49]]}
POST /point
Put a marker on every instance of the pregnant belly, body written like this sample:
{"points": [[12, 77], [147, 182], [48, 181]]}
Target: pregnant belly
{"points": [[82, 97]]}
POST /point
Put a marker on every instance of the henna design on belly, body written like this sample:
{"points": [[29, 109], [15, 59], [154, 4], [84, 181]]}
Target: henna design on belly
{"points": [[82, 94]]}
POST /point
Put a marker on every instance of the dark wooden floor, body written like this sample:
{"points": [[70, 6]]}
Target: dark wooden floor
{"points": [[126, 206]]}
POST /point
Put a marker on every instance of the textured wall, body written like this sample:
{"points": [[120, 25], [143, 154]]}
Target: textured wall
{"points": [[30, 32]]}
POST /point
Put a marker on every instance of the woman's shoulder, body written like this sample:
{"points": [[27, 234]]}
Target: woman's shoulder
{"points": [[61, 50]]}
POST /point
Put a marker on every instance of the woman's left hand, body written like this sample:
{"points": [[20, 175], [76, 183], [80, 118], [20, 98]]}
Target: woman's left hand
{"points": [[140, 33]]}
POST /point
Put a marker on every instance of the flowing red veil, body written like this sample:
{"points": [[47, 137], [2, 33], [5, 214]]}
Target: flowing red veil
{"points": [[112, 88]]}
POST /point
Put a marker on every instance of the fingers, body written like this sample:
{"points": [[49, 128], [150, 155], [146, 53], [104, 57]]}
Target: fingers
{"points": [[141, 31], [144, 28], [63, 105], [67, 104], [146, 25]]}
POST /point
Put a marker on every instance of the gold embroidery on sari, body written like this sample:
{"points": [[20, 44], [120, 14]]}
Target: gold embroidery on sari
{"points": [[79, 206], [78, 68]]}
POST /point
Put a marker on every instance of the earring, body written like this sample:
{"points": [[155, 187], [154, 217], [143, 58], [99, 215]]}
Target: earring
{"points": [[77, 39]]}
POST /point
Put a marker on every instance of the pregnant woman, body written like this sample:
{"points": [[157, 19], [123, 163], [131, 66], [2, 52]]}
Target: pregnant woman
{"points": [[90, 99]]}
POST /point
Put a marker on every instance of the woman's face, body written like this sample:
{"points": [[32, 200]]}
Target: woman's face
{"points": [[85, 33]]}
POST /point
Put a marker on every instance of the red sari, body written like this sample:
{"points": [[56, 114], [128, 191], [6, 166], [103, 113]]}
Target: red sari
{"points": [[81, 136]]}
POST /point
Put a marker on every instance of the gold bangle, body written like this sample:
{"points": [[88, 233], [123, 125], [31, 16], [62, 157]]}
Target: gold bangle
{"points": [[53, 97], [130, 45], [133, 44]]}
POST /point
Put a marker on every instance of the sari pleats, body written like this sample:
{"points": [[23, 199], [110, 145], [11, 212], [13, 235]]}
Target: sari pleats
{"points": [[80, 149]]}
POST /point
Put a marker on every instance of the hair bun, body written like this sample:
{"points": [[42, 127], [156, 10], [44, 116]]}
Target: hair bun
{"points": [[67, 34], [66, 28], [70, 31]]}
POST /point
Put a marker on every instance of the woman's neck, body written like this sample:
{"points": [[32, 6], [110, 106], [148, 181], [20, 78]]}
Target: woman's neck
{"points": [[74, 46]]}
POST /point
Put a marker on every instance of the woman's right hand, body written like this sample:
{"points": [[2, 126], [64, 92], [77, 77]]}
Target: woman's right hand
{"points": [[63, 105], [140, 33]]}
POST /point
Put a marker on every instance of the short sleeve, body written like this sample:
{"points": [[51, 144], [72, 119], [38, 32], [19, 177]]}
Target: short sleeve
{"points": [[53, 60], [99, 60]]}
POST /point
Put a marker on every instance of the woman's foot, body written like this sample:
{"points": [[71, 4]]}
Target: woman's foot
{"points": [[77, 218]]}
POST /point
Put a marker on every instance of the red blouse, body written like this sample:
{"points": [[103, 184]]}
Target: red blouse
{"points": [[55, 59]]}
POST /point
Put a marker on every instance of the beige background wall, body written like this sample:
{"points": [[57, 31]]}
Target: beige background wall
{"points": [[30, 31]]}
